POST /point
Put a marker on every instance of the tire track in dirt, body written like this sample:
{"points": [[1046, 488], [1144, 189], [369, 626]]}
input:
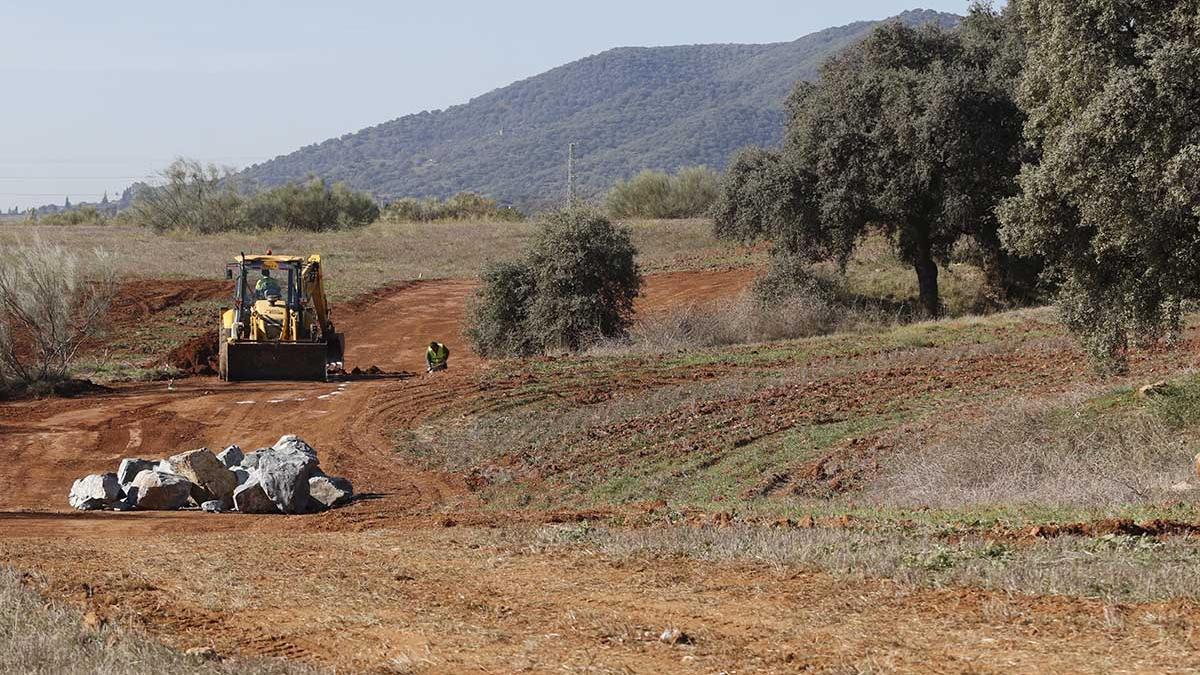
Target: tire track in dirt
{"points": [[53, 442]]}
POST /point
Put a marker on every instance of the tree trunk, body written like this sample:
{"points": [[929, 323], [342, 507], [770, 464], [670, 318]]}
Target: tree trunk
{"points": [[996, 275], [927, 281]]}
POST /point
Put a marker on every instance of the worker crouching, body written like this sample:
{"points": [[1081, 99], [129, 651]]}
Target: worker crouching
{"points": [[437, 357]]}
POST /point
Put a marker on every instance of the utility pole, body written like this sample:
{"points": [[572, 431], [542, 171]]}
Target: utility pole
{"points": [[570, 175]]}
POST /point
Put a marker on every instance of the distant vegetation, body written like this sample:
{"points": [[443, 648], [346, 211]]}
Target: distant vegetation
{"points": [[626, 109], [657, 194], [462, 206], [574, 287], [207, 199], [82, 215]]}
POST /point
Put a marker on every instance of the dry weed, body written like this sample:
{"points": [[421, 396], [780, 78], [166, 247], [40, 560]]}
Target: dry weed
{"points": [[1041, 451], [39, 637]]}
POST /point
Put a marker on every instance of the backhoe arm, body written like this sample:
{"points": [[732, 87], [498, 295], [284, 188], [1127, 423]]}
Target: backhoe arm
{"points": [[314, 287]]}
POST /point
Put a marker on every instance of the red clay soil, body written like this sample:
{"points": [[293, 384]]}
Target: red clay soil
{"points": [[197, 356], [384, 584], [676, 290], [139, 298]]}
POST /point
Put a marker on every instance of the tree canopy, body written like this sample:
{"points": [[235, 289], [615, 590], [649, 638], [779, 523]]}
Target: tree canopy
{"points": [[914, 133], [1113, 200]]}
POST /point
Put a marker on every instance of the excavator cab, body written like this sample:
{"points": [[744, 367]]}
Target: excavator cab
{"points": [[279, 326]]}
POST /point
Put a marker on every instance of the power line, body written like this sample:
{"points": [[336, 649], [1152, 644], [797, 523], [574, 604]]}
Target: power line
{"points": [[77, 177], [47, 194]]}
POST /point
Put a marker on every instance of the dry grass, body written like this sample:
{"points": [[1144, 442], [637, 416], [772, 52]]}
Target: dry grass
{"points": [[362, 259], [743, 320], [876, 272], [46, 637], [1059, 450], [1116, 568]]}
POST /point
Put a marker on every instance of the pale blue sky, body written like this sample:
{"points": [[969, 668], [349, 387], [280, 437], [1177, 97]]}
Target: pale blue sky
{"points": [[96, 94]]}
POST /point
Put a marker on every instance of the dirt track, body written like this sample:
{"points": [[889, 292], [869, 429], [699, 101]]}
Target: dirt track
{"points": [[386, 583], [51, 442]]}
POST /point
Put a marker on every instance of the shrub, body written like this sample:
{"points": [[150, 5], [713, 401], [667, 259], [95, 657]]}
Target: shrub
{"points": [[194, 197], [500, 311], [84, 215], [575, 286], [204, 199], [462, 206], [656, 194], [51, 301], [313, 206]]}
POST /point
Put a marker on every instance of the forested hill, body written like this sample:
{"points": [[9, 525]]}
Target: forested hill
{"points": [[625, 109]]}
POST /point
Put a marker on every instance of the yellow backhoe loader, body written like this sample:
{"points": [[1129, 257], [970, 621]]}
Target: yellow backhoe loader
{"points": [[278, 327]]}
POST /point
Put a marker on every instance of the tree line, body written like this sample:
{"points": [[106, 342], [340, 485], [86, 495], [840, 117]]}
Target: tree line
{"points": [[1060, 137]]}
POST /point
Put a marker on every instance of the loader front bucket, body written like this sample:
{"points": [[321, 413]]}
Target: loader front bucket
{"points": [[241, 361]]}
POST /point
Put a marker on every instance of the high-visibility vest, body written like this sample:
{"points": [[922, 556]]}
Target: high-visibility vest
{"points": [[437, 356], [265, 285]]}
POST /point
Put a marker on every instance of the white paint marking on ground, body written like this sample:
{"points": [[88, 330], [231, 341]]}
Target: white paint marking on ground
{"points": [[276, 400], [335, 393], [244, 402], [135, 438], [300, 399], [323, 396]]}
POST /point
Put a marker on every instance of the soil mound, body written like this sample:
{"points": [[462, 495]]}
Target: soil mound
{"points": [[197, 356]]}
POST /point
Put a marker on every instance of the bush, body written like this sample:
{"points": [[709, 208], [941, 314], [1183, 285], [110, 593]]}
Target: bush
{"points": [[194, 197], [656, 194], [499, 314], [204, 199], [84, 215], [462, 206], [51, 301], [313, 206], [575, 286]]}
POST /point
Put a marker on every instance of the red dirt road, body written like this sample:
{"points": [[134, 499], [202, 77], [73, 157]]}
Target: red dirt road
{"points": [[382, 585], [49, 443]]}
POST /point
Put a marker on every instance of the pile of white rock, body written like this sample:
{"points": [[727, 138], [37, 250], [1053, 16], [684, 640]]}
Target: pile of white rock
{"points": [[284, 478]]}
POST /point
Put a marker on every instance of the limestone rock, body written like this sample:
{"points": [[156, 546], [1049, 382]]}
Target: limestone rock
{"points": [[205, 471], [96, 491], [159, 491], [1154, 389], [1184, 488], [131, 467], [231, 456], [250, 461], [203, 654], [284, 476], [250, 497], [674, 636], [329, 491], [293, 443]]}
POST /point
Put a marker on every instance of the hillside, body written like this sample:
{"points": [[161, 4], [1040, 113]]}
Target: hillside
{"points": [[627, 109]]}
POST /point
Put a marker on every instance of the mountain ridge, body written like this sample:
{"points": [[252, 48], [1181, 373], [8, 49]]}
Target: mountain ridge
{"points": [[626, 109]]}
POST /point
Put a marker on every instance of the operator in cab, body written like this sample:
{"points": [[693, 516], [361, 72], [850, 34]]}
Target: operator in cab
{"points": [[267, 286], [437, 357]]}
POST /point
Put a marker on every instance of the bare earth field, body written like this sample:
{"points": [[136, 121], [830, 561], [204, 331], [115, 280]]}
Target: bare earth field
{"points": [[558, 515]]}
